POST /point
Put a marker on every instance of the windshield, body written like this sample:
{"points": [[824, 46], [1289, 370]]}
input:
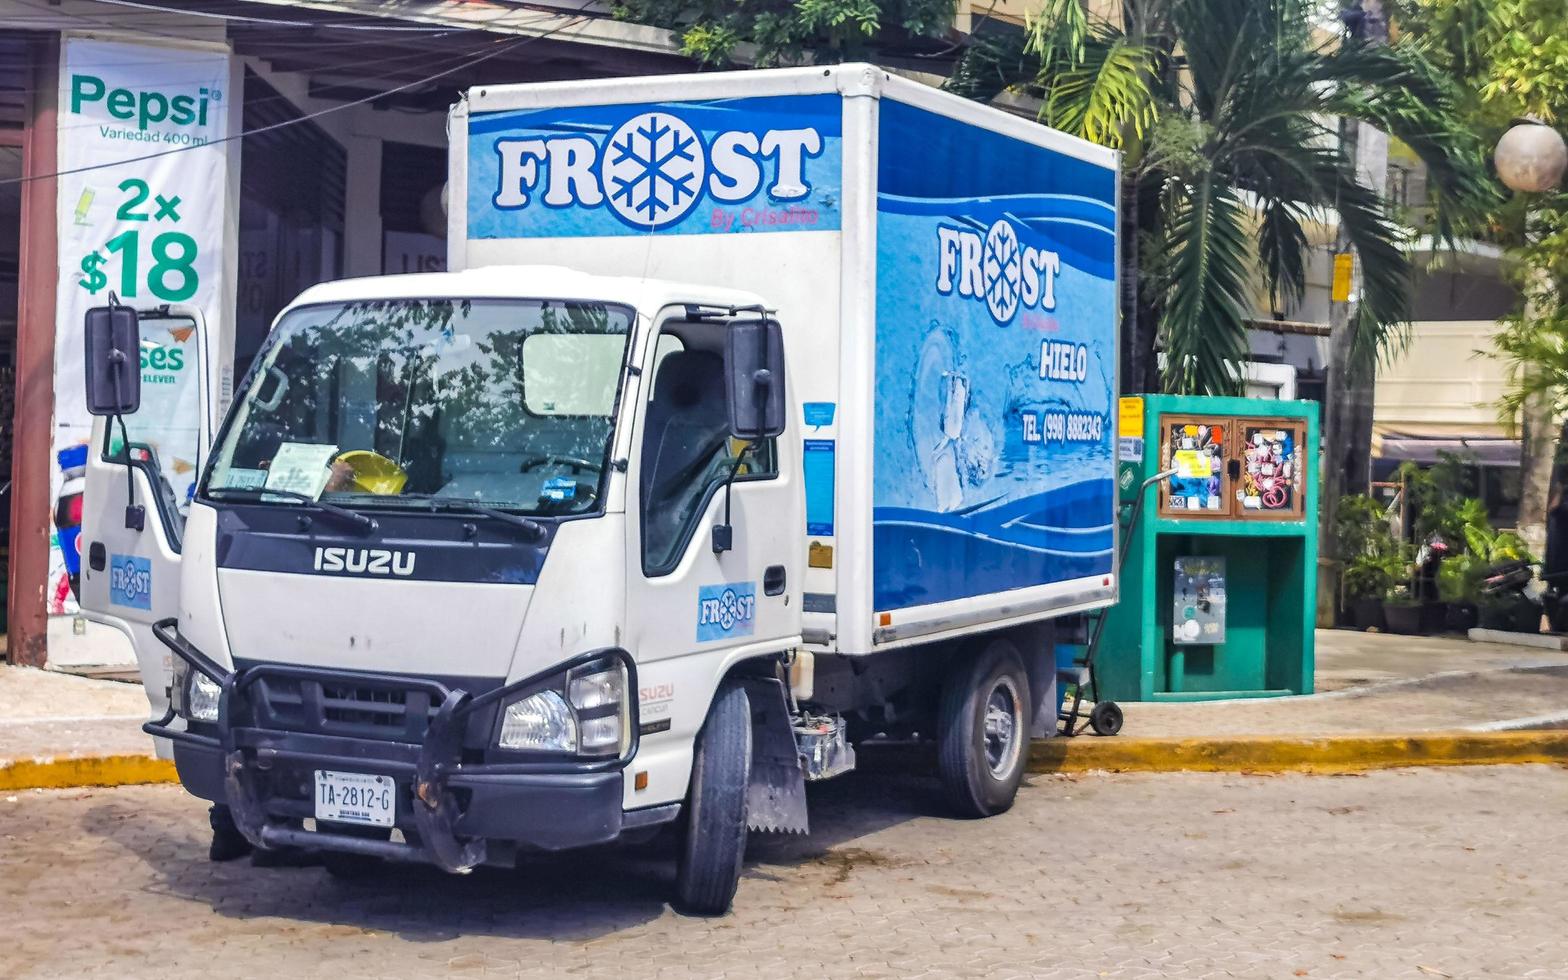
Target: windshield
{"points": [[387, 403]]}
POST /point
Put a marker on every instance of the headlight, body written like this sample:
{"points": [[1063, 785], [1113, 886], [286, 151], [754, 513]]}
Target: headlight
{"points": [[589, 691], [196, 693], [541, 722], [587, 715], [599, 698]]}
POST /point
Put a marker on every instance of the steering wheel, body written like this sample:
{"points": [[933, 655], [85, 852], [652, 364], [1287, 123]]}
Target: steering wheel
{"points": [[577, 463]]}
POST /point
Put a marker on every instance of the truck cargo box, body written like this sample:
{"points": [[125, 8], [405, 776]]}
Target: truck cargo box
{"points": [[946, 277]]}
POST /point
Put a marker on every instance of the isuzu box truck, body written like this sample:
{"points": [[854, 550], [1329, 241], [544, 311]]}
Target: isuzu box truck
{"points": [[760, 414]]}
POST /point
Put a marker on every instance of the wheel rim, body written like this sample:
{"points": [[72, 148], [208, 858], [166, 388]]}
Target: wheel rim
{"points": [[1003, 707]]}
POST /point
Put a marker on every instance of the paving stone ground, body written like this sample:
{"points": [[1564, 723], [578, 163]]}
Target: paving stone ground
{"points": [[1406, 873]]}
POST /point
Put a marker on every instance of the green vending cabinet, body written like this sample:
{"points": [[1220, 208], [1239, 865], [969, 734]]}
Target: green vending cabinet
{"points": [[1218, 593]]}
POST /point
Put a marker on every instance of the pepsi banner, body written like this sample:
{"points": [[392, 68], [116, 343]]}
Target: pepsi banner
{"points": [[726, 166]]}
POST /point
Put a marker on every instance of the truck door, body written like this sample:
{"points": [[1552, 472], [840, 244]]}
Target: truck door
{"points": [[684, 598], [130, 578]]}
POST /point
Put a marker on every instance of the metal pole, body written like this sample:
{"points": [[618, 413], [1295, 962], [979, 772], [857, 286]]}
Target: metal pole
{"points": [[33, 422]]}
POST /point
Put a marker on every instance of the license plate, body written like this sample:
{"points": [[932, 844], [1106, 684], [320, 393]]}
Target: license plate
{"points": [[354, 797]]}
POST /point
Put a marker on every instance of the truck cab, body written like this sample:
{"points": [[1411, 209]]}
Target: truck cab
{"points": [[468, 560]]}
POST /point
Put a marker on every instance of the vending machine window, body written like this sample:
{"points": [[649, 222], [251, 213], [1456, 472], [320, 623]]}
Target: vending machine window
{"points": [[1196, 449], [1269, 451]]}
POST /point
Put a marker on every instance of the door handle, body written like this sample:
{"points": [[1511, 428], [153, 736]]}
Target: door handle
{"points": [[97, 557], [773, 580]]}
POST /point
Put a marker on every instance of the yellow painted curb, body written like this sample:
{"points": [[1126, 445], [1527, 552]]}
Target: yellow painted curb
{"points": [[1247, 753], [103, 770], [1313, 754]]}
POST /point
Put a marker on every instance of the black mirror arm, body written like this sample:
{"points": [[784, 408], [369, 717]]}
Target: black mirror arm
{"points": [[135, 517], [723, 534]]}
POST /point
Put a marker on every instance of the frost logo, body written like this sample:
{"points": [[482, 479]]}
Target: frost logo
{"points": [[1000, 271], [653, 170], [997, 269], [130, 581], [725, 610]]}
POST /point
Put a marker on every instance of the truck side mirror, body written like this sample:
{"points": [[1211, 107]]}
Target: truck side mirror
{"points": [[754, 378], [114, 368]]}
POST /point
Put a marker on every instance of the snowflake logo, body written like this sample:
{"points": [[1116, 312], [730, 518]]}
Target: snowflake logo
{"points": [[652, 170], [1001, 269]]}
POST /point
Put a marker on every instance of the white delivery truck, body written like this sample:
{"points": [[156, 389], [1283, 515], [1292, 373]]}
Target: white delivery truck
{"points": [[761, 413]]}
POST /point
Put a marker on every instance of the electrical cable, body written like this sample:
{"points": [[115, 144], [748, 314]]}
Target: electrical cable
{"points": [[314, 46], [244, 18], [416, 62], [505, 47]]}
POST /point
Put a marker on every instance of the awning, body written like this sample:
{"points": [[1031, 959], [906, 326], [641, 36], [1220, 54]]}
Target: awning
{"points": [[1484, 451]]}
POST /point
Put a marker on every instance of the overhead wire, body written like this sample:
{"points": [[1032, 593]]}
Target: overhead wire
{"points": [[416, 62], [505, 46], [570, 18], [248, 18]]}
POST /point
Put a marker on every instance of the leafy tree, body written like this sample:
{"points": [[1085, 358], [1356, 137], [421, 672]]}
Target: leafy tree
{"points": [[776, 32], [1512, 55], [1224, 110]]}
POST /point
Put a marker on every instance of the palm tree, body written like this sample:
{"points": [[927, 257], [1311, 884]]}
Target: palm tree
{"points": [[1225, 112]]}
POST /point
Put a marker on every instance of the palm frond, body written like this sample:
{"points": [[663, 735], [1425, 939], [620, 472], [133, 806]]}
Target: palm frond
{"points": [[1105, 96], [1204, 326], [1282, 250], [1398, 90], [1380, 326], [991, 63]]}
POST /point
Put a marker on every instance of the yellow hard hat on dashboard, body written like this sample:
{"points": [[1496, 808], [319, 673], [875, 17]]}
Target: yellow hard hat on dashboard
{"points": [[375, 473]]}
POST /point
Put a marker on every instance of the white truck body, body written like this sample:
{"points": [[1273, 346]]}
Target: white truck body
{"points": [[415, 546], [865, 227]]}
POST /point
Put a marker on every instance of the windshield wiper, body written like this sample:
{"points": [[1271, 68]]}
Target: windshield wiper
{"points": [[535, 529], [364, 521]]}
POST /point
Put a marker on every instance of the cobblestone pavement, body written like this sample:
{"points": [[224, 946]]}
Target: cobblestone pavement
{"points": [[1408, 873]]}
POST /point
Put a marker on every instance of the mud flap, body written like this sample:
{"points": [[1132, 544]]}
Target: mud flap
{"points": [[776, 794]]}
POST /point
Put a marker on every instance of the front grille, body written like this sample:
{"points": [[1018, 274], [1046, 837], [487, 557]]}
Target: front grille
{"points": [[384, 708], [383, 711]]}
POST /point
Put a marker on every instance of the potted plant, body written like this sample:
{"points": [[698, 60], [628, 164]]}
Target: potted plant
{"points": [[1402, 611], [1366, 581], [1458, 583], [1371, 554], [1511, 611]]}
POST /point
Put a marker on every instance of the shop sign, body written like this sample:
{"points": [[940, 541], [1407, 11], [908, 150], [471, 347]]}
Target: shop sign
{"points": [[143, 192]]}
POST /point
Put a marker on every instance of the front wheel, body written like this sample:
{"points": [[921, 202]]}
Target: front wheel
{"points": [[983, 730], [714, 841]]}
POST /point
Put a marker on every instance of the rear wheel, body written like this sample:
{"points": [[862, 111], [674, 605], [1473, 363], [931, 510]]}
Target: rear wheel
{"points": [[983, 729], [714, 842]]}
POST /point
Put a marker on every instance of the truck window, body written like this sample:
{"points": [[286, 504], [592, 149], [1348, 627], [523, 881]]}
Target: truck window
{"points": [[383, 404], [687, 452], [571, 374]]}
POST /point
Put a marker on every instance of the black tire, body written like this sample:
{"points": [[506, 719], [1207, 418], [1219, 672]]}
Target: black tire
{"points": [[714, 842], [979, 772], [1106, 718], [228, 844]]}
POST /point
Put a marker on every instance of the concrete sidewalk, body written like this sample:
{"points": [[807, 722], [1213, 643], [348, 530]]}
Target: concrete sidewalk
{"points": [[45, 714], [1381, 683], [1382, 699]]}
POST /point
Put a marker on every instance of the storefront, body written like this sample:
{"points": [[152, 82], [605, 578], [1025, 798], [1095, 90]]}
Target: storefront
{"points": [[217, 159]]}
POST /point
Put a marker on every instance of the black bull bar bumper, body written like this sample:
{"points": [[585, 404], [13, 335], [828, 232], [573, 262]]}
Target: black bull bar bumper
{"points": [[433, 769]]}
